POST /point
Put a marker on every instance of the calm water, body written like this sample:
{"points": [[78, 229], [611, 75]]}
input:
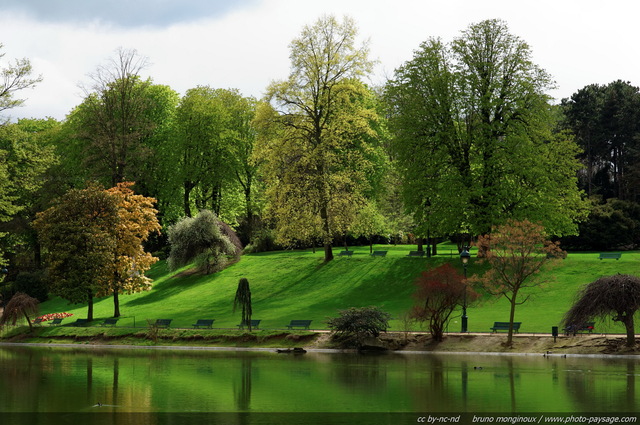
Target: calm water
{"points": [[52, 385]]}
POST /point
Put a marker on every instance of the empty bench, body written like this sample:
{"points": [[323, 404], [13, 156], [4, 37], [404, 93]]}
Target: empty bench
{"points": [[504, 326], [299, 324], [346, 253], [255, 324], [163, 323], [609, 255], [80, 322], [203, 323], [109, 322], [379, 254], [415, 254]]}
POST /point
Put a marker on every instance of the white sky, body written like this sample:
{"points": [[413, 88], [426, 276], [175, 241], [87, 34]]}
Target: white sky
{"points": [[244, 44]]}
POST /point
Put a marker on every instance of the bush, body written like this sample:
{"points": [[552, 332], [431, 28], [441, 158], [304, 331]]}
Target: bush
{"points": [[354, 325], [33, 284]]}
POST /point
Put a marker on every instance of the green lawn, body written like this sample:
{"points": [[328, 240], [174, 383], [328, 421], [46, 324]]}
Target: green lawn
{"points": [[290, 285]]}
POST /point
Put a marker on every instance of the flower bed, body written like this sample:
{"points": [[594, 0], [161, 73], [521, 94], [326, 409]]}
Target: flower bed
{"points": [[51, 316]]}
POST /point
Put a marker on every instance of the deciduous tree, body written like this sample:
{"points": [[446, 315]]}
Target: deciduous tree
{"points": [[321, 139], [615, 296], [516, 252], [471, 127], [13, 78], [439, 292], [243, 300], [18, 306]]}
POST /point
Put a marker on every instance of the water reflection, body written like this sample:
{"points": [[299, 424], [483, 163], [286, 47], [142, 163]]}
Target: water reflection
{"points": [[79, 380]]}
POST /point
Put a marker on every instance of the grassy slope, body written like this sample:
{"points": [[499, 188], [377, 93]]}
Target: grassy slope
{"points": [[298, 285]]}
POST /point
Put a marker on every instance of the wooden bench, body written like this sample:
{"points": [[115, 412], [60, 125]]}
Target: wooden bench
{"points": [[255, 324], [109, 322], [55, 322], [204, 323], [415, 254], [299, 324], [346, 253], [80, 322], [379, 254], [37, 321], [585, 327], [163, 323], [611, 255], [504, 326]]}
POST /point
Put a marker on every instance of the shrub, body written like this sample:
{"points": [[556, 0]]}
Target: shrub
{"points": [[354, 325]]}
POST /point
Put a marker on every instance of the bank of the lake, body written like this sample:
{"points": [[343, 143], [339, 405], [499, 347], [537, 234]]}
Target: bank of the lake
{"points": [[542, 344]]}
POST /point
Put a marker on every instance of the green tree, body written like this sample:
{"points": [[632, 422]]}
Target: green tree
{"points": [[320, 135], [200, 239], [516, 252], [15, 77], [79, 235], [471, 127], [354, 325], [369, 222], [243, 300]]}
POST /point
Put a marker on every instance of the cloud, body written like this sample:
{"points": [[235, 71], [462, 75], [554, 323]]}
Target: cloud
{"points": [[124, 13]]}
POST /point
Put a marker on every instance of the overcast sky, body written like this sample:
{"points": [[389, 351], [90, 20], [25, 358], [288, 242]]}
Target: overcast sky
{"points": [[243, 44]]}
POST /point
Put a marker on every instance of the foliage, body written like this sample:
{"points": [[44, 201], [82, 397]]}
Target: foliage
{"points": [[137, 219], [471, 130], [516, 252], [354, 325], [32, 284], [606, 122], [79, 233], [318, 136], [617, 296], [243, 299], [614, 225], [13, 78], [369, 222], [18, 306], [199, 238], [439, 292]]}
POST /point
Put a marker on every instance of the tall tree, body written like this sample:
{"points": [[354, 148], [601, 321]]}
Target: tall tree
{"points": [[469, 120], [13, 78], [317, 159], [605, 120], [137, 219], [516, 251], [78, 232]]}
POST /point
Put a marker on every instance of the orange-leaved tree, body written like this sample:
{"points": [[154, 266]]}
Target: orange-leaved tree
{"points": [[516, 252], [438, 293], [137, 219]]}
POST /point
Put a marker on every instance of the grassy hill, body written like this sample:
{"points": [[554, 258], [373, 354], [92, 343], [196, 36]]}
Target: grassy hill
{"points": [[298, 285]]}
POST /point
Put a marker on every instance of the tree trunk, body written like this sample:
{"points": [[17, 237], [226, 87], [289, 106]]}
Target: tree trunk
{"points": [[628, 324], [116, 304], [89, 305], [26, 316], [186, 201], [512, 315], [328, 252], [434, 249], [420, 247]]}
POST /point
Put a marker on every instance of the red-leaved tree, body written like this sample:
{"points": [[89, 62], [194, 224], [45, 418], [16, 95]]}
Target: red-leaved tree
{"points": [[438, 293]]}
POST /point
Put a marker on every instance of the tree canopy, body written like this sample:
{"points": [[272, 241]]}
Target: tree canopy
{"points": [[471, 127]]}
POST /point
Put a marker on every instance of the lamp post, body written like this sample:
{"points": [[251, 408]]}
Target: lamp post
{"points": [[464, 257]]}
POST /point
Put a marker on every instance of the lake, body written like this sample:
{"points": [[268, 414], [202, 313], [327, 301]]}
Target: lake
{"points": [[119, 386]]}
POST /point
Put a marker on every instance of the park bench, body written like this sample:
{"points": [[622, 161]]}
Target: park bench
{"points": [[203, 323], [615, 255], [109, 322], [504, 326], [415, 254], [379, 254], [255, 324], [163, 323], [55, 322], [37, 321], [585, 327], [80, 322], [299, 324], [346, 253]]}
